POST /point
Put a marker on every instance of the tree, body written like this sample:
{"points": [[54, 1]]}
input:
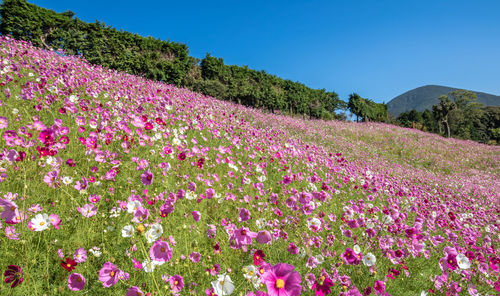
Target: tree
{"points": [[442, 110]]}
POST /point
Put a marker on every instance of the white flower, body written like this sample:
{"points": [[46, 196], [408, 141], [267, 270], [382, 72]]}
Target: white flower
{"points": [[463, 262], [132, 206], [424, 293], [149, 266], [40, 222], [73, 98], [369, 259], [223, 285], [314, 223], [262, 178], [96, 251], [154, 233], [67, 180], [51, 160], [127, 231], [249, 272], [356, 249], [190, 195], [15, 111]]}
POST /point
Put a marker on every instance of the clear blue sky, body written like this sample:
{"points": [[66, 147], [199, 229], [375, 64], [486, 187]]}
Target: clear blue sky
{"points": [[376, 48]]}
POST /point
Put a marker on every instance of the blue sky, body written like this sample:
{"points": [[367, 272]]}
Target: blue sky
{"points": [[376, 48]]}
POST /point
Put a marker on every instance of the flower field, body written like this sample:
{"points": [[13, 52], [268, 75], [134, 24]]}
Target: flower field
{"points": [[111, 184]]}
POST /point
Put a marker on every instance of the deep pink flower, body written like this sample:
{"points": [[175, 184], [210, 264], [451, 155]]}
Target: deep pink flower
{"points": [[13, 274], [109, 274], [379, 287], [322, 286], [47, 137], [76, 282], [243, 236], [350, 257], [160, 251], [181, 156], [258, 257], [282, 280]]}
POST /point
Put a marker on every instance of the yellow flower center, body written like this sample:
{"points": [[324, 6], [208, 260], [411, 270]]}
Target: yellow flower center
{"points": [[140, 228], [78, 279], [162, 249], [280, 283], [68, 265], [176, 283], [42, 223], [112, 273]]}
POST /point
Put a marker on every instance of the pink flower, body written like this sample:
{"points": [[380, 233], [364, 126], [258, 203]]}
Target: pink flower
{"points": [[160, 251], [76, 282], [10, 212], [243, 236], [244, 215], [281, 280], [109, 274], [195, 257], [88, 210], [80, 255], [47, 137], [55, 220], [196, 216]]}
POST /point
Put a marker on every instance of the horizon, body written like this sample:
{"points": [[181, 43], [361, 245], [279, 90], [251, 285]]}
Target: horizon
{"points": [[379, 50]]}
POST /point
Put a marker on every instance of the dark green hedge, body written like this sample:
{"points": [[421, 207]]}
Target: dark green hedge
{"points": [[162, 60]]}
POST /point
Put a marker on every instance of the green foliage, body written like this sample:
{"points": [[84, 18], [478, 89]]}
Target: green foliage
{"points": [[367, 109], [462, 118], [98, 43]]}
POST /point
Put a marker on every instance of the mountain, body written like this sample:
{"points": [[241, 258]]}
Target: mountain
{"points": [[424, 97]]}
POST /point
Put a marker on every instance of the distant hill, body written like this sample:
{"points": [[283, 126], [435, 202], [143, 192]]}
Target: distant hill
{"points": [[425, 97]]}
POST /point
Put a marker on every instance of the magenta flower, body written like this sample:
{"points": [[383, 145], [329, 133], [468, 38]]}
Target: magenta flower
{"points": [[147, 178], [243, 236], [244, 215], [109, 274], [350, 257], [10, 212], [196, 216], [263, 237], [47, 137], [134, 291], [379, 287], [322, 286], [76, 282], [160, 251], [281, 280], [176, 283], [181, 156]]}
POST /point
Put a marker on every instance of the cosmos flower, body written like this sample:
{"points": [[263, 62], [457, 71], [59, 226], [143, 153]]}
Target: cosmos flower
{"points": [[369, 259], [76, 282], [134, 291], [109, 274], [160, 251], [40, 222], [147, 178], [13, 274], [223, 285], [281, 279], [69, 264], [80, 255], [176, 283]]}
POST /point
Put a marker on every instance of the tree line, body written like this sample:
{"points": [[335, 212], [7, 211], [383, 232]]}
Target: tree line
{"points": [[457, 115], [164, 61]]}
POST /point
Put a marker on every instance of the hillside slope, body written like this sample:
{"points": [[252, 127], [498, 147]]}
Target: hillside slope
{"points": [[114, 184], [425, 97]]}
